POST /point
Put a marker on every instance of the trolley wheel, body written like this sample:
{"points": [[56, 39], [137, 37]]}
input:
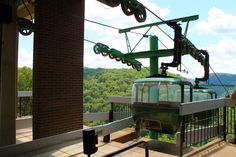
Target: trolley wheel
{"points": [[138, 68], [110, 56], [114, 3], [140, 14], [95, 48], [133, 66], [24, 26], [118, 59], [123, 61], [129, 64], [24, 32], [104, 54], [126, 7]]}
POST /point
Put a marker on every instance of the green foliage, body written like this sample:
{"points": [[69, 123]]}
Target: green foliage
{"points": [[24, 83], [24, 79], [98, 86]]}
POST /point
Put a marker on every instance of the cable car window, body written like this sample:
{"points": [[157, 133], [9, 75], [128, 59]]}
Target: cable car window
{"points": [[186, 93], [154, 92], [163, 93], [198, 95], [146, 94], [153, 97], [174, 94]]}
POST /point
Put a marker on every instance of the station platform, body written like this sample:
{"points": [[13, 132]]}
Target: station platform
{"points": [[120, 140]]}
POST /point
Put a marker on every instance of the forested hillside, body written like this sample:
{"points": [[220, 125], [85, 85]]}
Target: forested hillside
{"points": [[100, 83], [226, 79]]}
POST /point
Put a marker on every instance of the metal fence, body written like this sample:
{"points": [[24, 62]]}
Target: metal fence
{"points": [[24, 103], [230, 120], [199, 128], [212, 119]]}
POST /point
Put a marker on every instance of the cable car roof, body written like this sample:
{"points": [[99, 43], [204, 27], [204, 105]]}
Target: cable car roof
{"points": [[163, 79]]}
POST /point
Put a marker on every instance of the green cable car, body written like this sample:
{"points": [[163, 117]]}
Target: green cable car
{"points": [[155, 103], [201, 93]]}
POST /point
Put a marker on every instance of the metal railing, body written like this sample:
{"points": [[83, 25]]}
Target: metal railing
{"points": [[24, 103], [206, 120], [201, 121], [200, 127]]}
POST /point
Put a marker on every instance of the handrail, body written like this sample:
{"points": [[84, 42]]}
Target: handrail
{"points": [[27, 147], [200, 106]]}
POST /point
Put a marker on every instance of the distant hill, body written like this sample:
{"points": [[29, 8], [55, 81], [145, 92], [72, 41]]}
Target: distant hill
{"points": [[91, 71], [226, 79]]}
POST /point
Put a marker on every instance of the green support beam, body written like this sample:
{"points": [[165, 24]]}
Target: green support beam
{"points": [[153, 60], [154, 53], [183, 19]]}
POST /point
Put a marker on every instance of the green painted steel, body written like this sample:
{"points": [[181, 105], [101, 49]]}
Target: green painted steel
{"points": [[111, 3], [163, 80], [183, 19], [153, 118], [103, 49], [153, 60], [154, 108]]}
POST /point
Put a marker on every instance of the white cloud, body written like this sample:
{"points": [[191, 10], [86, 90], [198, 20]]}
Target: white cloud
{"points": [[25, 58], [115, 17], [222, 59], [95, 9], [218, 22], [223, 55]]}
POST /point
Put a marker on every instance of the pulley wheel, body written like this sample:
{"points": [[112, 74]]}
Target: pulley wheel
{"points": [[129, 64], [140, 14], [24, 32], [138, 68], [113, 3], [123, 61], [126, 7], [110, 56], [117, 59], [104, 54], [24, 26], [95, 48]]}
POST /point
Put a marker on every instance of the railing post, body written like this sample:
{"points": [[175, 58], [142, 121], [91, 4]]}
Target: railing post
{"points": [[235, 132], [224, 123], [20, 107], [106, 138], [182, 137]]}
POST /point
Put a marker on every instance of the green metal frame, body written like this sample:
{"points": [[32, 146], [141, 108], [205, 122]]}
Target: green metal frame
{"points": [[183, 19], [154, 53]]}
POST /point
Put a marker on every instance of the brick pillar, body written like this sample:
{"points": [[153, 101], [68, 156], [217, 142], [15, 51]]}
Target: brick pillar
{"points": [[8, 73], [58, 67]]}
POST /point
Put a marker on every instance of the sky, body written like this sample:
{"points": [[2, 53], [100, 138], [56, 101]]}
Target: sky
{"points": [[214, 31]]}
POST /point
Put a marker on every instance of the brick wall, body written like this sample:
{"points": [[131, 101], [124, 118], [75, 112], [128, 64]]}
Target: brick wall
{"points": [[58, 67]]}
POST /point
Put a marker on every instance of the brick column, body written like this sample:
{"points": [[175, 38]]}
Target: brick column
{"points": [[58, 67], [8, 73]]}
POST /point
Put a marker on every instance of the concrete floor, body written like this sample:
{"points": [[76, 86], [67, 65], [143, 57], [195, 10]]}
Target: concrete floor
{"points": [[75, 148], [23, 135]]}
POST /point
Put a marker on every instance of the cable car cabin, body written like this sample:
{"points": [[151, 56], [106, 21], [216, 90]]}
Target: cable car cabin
{"points": [[201, 93], [155, 103]]}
